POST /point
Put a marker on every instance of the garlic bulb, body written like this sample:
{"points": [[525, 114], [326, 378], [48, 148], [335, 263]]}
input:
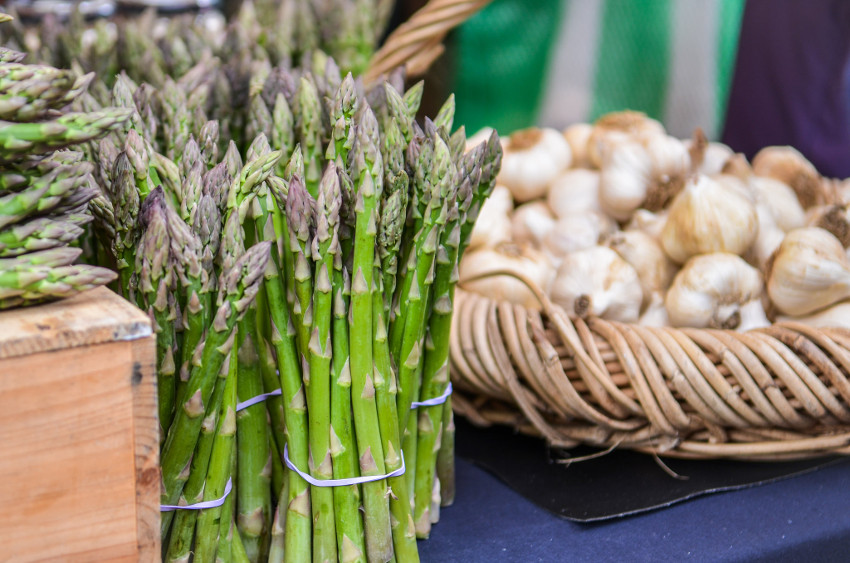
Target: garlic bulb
{"points": [[780, 200], [649, 222], [832, 218], [577, 136], [808, 272], [768, 239], [613, 128], [835, 316], [494, 221], [597, 282], [753, 316], [520, 259], [625, 176], [532, 159], [531, 222], [645, 255], [574, 191], [576, 231], [714, 159], [655, 313], [709, 215], [737, 165], [788, 165], [710, 291], [669, 156]]}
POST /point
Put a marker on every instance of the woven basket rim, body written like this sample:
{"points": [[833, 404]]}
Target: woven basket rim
{"points": [[778, 393]]}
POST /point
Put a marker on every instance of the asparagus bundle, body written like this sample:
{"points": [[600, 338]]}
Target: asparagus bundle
{"points": [[294, 362], [44, 189], [151, 49]]}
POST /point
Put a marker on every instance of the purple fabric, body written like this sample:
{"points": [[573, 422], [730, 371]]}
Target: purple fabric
{"points": [[792, 81]]}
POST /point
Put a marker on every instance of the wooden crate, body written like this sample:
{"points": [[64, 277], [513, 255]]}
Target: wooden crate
{"points": [[79, 443]]}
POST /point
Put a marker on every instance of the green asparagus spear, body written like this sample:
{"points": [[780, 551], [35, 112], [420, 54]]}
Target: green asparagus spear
{"points": [[237, 287], [367, 172]]}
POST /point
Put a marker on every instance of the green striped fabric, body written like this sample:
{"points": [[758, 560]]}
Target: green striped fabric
{"points": [[552, 62]]}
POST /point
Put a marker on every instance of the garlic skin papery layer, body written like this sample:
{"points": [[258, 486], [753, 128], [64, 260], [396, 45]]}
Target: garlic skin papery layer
{"points": [[711, 290], [709, 215], [597, 282], [532, 159], [494, 221], [522, 260], [808, 272]]}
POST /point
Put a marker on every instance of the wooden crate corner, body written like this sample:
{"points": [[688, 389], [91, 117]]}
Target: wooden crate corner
{"points": [[79, 442]]}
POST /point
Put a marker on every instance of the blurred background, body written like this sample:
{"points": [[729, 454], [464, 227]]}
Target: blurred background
{"points": [[750, 73]]}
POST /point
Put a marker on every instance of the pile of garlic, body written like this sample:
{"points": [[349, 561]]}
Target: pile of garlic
{"points": [[621, 221]]}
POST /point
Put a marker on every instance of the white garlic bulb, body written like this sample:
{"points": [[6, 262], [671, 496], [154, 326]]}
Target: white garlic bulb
{"points": [[709, 215], [531, 222], [577, 136], [532, 159], [808, 272], [780, 200], [645, 255], [710, 291], [597, 282], [494, 220], [835, 316], [649, 222], [574, 191], [714, 159], [669, 156], [655, 313], [753, 316], [625, 177], [519, 259], [768, 239], [616, 127], [576, 231], [788, 165]]}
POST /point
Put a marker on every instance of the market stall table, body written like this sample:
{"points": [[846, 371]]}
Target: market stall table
{"points": [[799, 518]]}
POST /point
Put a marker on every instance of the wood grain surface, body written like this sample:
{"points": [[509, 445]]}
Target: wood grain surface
{"points": [[79, 476]]}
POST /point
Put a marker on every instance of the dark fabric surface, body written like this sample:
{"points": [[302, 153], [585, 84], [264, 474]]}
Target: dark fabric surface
{"points": [[603, 485], [792, 81], [801, 519]]}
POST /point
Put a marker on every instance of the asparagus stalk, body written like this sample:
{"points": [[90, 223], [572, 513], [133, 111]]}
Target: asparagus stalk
{"points": [[417, 282], [435, 376], [325, 246], [41, 233], [349, 523], [300, 211], [18, 139], [237, 287], [367, 171], [297, 535], [43, 194], [253, 455], [386, 390], [210, 519], [446, 457], [310, 132], [37, 284], [183, 527], [155, 267]]}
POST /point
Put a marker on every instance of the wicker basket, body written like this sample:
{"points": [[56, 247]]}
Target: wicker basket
{"points": [[772, 394]]}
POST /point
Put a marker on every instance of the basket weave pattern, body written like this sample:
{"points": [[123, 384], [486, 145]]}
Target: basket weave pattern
{"points": [[776, 393]]}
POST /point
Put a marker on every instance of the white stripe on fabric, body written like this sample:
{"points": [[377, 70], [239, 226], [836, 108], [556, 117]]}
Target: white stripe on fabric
{"points": [[691, 89], [569, 85]]}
